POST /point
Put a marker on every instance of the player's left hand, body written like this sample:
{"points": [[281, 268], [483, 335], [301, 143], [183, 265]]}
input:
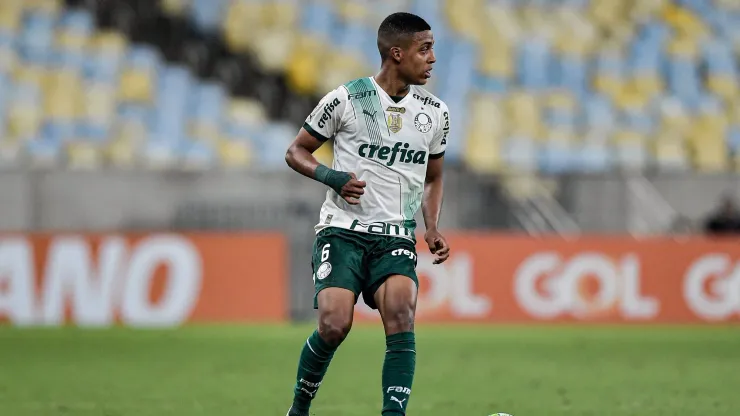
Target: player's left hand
{"points": [[437, 245]]}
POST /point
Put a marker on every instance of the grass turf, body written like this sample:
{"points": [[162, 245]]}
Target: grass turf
{"points": [[465, 371]]}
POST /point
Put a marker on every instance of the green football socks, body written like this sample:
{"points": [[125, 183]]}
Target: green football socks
{"points": [[315, 358], [398, 372]]}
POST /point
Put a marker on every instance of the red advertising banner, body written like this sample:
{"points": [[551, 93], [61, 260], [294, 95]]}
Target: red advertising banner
{"points": [[142, 279], [520, 279]]}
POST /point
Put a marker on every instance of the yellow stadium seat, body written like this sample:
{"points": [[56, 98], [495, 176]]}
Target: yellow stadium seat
{"points": [[242, 24], [487, 116], [671, 152], [136, 86], [683, 20], [496, 58], [247, 112], [483, 153], [283, 15], [175, 7], [351, 11], [464, 18], [207, 132], [304, 67], [607, 13], [275, 48], [711, 156], [523, 114], [561, 100], [608, 85], [8, 60], [83, 155], [63, 95], [649, 85], [98, 103], [234, 153], [642, 10], [71, 40], [121, 153], [47, 6], [683, 46], [10, 14], [631, 98], [109, 42], [31, 74], [724, 86], [336, 70], [24, 121]]}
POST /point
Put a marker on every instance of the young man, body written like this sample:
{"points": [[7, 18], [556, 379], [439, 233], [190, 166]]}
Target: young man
{"points": [[390, 137]]}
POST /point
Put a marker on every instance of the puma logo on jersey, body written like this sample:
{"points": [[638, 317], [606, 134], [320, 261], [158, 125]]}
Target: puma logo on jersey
{"points": [[400, 152]]}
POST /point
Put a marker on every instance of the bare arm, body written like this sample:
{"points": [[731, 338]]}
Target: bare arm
{"points": [[300, 158], [431, 205]]}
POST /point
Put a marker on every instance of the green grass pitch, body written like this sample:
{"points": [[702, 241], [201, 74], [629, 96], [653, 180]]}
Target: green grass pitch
{"points": [[461, 371]]}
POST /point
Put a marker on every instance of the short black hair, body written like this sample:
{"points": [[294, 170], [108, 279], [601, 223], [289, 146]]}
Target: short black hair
{"points": [[396, 29]]}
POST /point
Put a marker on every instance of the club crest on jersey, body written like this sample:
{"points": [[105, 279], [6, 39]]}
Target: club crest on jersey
{"points": [[395, 122], [423, 122]]}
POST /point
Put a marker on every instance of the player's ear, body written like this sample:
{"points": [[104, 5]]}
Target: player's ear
{"points": [[396, 54]]}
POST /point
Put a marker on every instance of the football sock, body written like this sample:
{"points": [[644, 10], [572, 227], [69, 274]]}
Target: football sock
{"points": [[315, 358], [398, 372]]}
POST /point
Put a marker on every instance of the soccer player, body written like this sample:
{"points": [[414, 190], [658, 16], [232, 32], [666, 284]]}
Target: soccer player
{"points": [[390, 137]]}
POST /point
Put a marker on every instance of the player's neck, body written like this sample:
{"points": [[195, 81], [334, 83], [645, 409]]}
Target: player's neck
{"points": [[391, 83]]}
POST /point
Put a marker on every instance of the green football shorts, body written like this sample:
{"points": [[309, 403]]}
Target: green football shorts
{"points": [[359, 261]]}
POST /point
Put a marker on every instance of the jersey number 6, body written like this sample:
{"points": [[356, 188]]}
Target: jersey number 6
{"points": [[325, 252]]}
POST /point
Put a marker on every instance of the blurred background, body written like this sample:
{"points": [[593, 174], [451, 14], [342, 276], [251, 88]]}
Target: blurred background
{"points": [[568, 116]]}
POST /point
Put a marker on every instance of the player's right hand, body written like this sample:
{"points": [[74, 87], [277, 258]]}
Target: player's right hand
{"points": [[352, 190]]}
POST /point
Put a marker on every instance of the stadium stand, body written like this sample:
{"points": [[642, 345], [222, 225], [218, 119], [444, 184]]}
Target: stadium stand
{"points": [[537, 86]]}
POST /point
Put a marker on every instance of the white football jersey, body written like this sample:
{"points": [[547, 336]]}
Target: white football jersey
{"points": [[386, 144]]}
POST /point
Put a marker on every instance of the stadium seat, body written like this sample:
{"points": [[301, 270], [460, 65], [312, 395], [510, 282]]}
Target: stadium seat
{"points": [[629, 84]]}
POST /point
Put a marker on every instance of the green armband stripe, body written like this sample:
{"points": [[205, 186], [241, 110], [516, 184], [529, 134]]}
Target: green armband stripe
{"points": [[436, 156], [314, 133]]}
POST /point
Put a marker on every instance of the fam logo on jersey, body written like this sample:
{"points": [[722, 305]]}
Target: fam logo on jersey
{"points": [[427, 100], [400, 152], [423, 122]]}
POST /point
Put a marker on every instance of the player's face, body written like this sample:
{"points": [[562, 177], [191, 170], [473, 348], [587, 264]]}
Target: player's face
{"points": [[419, 58]]}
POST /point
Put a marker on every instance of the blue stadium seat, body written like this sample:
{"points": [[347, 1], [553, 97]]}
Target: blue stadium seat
{"points": [[683, 80], [556, 157], [173, 90], [533, 60], [593, 157], [37, 37], [208, 14]]}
